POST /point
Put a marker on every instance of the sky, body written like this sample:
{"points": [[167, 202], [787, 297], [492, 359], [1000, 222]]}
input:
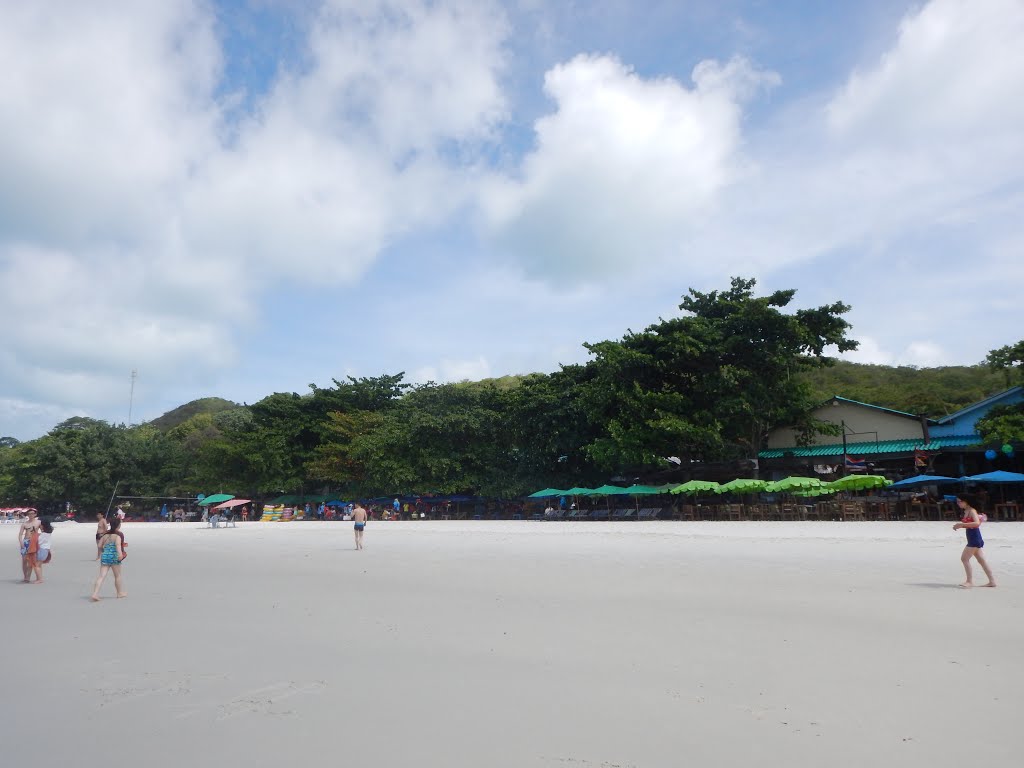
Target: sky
{"points": [[242, 197]]}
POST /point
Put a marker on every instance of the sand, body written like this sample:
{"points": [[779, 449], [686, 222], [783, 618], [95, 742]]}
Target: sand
{"points": [[519, 644]]}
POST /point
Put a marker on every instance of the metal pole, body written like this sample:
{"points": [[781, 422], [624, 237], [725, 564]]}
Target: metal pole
{"points": [[131, 395]]}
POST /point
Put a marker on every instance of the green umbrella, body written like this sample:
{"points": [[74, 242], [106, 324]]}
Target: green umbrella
{"points": [[547, 492], [609, 490], [859, 482], [742, 485], [217, 498], [822, 490], [791, 484], [693, 487], [641, 490], [579, 492]]}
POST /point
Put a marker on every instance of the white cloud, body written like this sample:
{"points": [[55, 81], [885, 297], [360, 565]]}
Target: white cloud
{"points": [[137, 224], [454, 371], [924, 354], [623, 166]]}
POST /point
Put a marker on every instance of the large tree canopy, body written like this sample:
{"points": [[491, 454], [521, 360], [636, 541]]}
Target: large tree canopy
{"points": [[710, 385]]}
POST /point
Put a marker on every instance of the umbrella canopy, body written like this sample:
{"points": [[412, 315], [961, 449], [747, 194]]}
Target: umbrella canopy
{"points": [[233, 503], [547, 492], [821, 490], [695, 486], [742, 485], [789, 484], [641, 490], [910, 482], [999, 476], [579, 492], [859, 482], [609, 490], [217, 498]]}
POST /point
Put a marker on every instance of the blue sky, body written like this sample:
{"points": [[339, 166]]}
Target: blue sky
{"points": [[237, 198]]}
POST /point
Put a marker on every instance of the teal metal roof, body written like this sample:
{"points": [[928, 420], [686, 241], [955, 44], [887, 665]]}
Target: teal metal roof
{"points": [[883, 446], [877, 407]]}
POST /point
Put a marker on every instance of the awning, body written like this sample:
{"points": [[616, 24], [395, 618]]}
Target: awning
{"points": [[872, 448]]}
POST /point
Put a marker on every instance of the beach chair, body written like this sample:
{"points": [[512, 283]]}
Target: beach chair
{"points": [[655, 512], [789, 512], [733, 512], [853, 511], [620, 514], [600, 514], [686, 512]]}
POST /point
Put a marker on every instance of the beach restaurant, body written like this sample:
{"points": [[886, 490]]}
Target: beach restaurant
{"points": [[894, 443]]}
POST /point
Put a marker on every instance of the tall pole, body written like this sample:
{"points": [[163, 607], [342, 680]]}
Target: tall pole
{"points": [[131, 395], [843, 425]]}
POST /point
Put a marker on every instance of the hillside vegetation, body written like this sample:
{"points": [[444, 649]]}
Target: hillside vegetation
{"points": [[933, 392], [181, 414]]}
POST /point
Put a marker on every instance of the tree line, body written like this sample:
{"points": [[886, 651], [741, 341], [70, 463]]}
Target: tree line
{"points": [[703, 387]]}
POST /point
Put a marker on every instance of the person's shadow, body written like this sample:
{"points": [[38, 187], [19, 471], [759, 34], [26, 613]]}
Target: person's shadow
{"points": [[935, 586]]}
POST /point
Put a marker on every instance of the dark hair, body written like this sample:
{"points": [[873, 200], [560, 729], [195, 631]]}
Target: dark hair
{"points": [[115, 523], [45, 525], [970, 500]]}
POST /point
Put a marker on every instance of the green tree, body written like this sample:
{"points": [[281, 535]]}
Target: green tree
{"points": [[1003, 424], [1009, 360], [710, 385]]}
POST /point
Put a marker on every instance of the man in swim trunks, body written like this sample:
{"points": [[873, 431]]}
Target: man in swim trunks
{"points": [[28, 544], [359, 517]]}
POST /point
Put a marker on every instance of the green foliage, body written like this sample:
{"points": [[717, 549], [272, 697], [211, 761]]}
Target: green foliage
{"points": [[1009, 360], [711, 384], [1003, 424], [933, 392], [181, 414]]}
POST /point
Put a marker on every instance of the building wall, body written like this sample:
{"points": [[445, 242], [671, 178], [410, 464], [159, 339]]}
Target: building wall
{"points": [[862, 424]]}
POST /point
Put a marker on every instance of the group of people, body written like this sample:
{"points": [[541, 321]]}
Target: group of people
{"points": [[35, 544], [35, 537]]}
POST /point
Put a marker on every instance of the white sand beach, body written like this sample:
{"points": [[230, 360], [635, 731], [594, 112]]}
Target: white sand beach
{"points": [[576, 645]]}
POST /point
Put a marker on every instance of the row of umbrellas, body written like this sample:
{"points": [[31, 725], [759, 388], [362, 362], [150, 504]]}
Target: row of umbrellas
{"points": [[799, 486]]}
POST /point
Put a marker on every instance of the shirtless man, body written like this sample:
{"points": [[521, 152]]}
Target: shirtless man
{"points": [[359, 516], [25, 541]]}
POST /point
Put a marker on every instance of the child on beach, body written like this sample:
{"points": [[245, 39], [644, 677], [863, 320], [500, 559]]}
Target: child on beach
{"points": [[971, 523], [111, 555], [43, 552], [28, 544], [101, 528]]}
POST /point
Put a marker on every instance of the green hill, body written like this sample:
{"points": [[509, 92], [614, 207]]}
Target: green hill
{"points": [[933, 392], [183, 413]]}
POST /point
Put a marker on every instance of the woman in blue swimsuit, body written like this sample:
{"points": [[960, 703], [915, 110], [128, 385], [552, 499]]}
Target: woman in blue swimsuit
{"points": [[111, 554], [971, 523]]}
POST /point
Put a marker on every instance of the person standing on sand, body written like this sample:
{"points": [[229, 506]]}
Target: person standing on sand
{"points": [[971, 523], [112, 548], [359, 517], [101, 528], [28, 544], [43, 552]]}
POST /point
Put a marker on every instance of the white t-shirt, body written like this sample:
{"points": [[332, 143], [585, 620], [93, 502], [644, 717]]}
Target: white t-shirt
{"points": [[44, 540]]}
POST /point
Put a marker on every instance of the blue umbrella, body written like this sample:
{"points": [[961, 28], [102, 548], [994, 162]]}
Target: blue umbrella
{"points": [[999, 476], [924, 480]]}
